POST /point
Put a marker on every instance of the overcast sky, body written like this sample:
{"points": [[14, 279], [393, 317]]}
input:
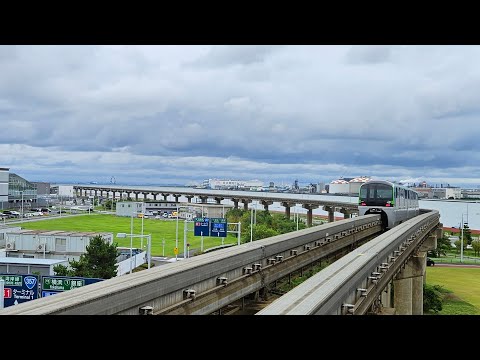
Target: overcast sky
{"points": [[180, 114]]}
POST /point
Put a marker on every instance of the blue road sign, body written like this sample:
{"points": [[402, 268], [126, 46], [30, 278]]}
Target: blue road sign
{"points": [[218, 227], [202, 226], [22, 288], [55, 284]]}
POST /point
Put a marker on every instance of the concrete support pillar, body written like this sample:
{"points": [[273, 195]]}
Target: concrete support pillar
{"points": [[409, 286], [218, 200], [403, 296], [128, 194], [287, 205], [155, 197], [347, 214], [331, 213], [189, 198], [310, 208], [145, 196], [136, 196], [266, 204], [203, 199], [245, 203], [95, 192], [165, 197], [176, 196], [417, 295], [235, 203]]}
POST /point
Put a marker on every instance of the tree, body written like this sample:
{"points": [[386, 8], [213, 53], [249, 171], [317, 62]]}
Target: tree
{"points": [[62, 270], [109, 204], [467, 235], [443, 246], [100, 261], [476, 247]]}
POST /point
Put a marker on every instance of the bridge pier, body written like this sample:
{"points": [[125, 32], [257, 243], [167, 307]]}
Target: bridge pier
{"points": [[203, 199], [245, 203], [408, 285], [218, 200], [266, 204], [176, 196], [347, 213], [235, 203], [189, 198], [310, 208], [287, 205], [165, 196], [331, 213], [154, 196]]}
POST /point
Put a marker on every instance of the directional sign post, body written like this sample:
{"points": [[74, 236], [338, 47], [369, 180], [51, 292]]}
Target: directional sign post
{"points": [[218, 227], [52, 285], [202, 226], [19, 288]]}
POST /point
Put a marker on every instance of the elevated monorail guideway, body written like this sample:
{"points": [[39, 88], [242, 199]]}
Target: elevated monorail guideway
{"points": [[360, 282], [206, 283]]}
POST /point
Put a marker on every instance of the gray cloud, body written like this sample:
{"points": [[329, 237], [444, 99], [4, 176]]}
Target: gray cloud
{"points": [[173, 114]]}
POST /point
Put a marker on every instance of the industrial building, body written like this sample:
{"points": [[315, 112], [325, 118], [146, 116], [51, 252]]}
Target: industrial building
{"points": [[47, 244], [347, 186], [15, 191], [217, 184]]}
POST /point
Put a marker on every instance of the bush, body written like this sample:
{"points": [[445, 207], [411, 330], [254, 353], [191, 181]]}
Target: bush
{"points": [[432, 298]]}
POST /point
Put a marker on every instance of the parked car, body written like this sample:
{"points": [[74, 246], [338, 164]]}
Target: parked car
{"points": [[430, 262]]}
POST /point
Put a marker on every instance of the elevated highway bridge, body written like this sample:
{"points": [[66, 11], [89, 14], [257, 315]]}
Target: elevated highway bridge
{"points": [[308, 201]]}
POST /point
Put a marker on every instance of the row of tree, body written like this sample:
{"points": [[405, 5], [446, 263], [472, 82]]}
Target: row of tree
{"points": [[264, 225]]}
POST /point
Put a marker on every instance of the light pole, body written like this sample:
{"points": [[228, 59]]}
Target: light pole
{"points": [[176, 237], [21, 192]]}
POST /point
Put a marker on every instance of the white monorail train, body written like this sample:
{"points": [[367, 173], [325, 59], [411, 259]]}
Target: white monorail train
{"points": [[395, 203]]}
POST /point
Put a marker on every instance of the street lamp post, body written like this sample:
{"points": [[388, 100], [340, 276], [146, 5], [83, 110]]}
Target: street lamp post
{"points": [[21, 192], [176, 236]]}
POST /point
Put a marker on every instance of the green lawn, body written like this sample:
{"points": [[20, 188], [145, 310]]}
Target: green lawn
{"points": [[464, 284], [159, 229]]}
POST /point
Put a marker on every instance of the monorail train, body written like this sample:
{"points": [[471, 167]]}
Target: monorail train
{"points": [[395, 203]]}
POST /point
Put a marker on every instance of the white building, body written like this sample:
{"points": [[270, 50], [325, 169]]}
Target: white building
{"points": [[4, 177], [63, 190], [339, 186], [234, 184], [129, 208], [447, 193], [10, 265], [355, 184], [47, 244], [4, 230]]}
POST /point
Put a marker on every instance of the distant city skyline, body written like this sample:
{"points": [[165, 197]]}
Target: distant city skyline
{"points": [[181, 114]]}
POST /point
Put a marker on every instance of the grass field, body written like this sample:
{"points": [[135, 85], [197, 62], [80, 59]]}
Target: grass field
{"points": [[159, 229], [464, 285]]}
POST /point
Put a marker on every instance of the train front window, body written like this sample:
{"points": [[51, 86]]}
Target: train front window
{"points": [[376, 194]]}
